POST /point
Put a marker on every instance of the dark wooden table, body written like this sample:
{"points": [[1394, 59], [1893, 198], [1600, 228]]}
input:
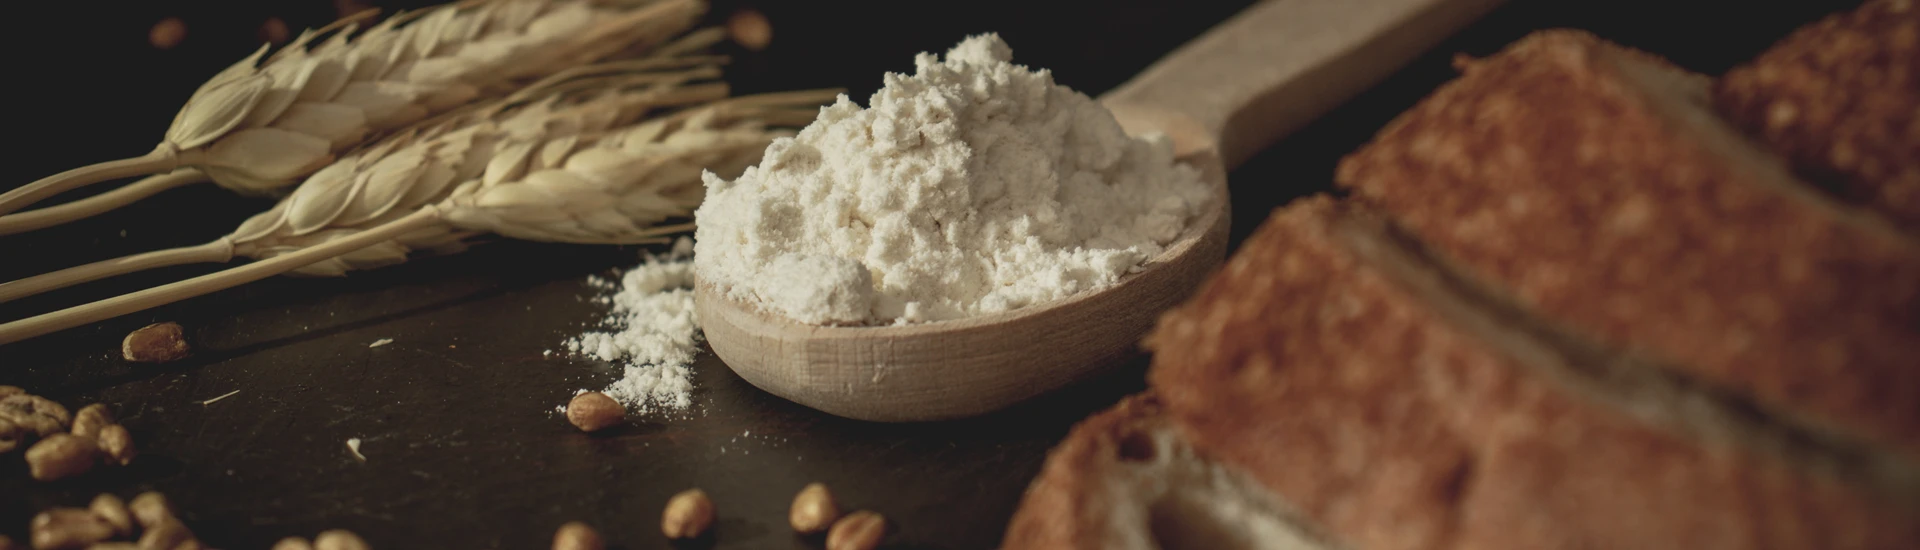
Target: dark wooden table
{"points": [[463, 448]]}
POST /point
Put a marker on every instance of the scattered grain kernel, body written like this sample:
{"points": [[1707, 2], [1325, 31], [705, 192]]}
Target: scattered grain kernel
{"points": [[750, 29], [114, 546], [339, 539], [90, 419], [8, 544], [67, 528], [813, 510], [41, 415], [293, 543], [862, 530], [688, 515], [111, 509], [594, 411], [577, 536], [156, 343], [116, 443], [273, 30], [150, 509], [167, 33], [165, 534], [11, 435], [61, 456]]}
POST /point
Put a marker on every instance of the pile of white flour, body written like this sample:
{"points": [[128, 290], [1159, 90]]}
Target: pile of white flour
{"points": [[973, 186], [653, 333]]}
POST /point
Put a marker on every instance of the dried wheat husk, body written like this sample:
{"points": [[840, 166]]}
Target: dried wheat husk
{"points": [[431, 190], [268, 121]]}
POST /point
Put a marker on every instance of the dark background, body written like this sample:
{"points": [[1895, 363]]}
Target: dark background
{"points": [[456, 415]]}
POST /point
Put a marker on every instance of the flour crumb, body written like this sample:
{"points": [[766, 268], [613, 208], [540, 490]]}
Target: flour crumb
{"points": [[652, 333], [973, 186], [380, 342], [353, 445]]}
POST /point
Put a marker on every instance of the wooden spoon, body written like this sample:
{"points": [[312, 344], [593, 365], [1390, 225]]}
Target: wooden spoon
{"points": [[1221, 97]]}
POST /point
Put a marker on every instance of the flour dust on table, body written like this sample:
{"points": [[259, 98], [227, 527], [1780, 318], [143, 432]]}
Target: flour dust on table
{"points": [[971, 187], [651, 333]]}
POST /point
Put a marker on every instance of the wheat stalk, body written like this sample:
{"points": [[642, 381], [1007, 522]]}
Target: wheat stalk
{"points": [[41, 218], [258, 127], [417, 166], [592, 186]]}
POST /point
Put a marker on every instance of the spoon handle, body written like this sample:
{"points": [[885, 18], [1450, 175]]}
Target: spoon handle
{"points": [[1277, 65]]}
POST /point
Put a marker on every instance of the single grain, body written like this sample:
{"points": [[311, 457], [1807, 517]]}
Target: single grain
{"points": [[61, 456], [67, 528], [116, 443], [11, 435], [156, 343], [150, 509], [814, 510], [38, 414], [167, 33], [166, 534], [90, 419], [339, 539], [114, 512], [594, 411], [577, 536], [862, 530], [749, 28], [688, 515]]}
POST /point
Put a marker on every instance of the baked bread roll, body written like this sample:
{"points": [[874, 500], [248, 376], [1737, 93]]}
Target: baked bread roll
{"points": [[1595, 184], [1399, 405], [1841, 99], [1124, 479]]}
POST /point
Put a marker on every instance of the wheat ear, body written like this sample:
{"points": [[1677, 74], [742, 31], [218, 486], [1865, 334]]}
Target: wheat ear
{"points": [[605, 188], [417, 166], [258, 127]]}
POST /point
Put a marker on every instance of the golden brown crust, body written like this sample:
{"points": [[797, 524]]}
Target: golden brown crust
{"points": [[1548, 171], [1334, 386], [1064, 506], [1841, 99]]}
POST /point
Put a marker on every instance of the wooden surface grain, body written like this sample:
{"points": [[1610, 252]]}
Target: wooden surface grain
{"points": [[463, 450]]}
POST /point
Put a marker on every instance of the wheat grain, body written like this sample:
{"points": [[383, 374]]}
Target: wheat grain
{"points": [[258, 127]]}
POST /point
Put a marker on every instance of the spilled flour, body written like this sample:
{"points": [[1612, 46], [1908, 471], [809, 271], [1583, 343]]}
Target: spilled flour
{"points": [[651, 334]]}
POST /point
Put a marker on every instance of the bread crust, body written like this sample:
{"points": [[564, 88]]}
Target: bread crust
{"points": [[1841, 98], [1334, 386], [1125, 479], [1067, 506], [1551, 172]]}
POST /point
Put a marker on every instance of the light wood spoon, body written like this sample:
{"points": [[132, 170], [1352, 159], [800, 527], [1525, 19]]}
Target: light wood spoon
{"points": [[1221, 97]]}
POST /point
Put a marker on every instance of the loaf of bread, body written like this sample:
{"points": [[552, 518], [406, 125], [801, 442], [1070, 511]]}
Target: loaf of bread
{"points": [[1841, 99], [1594, 184], [1124, 479], [1392, 404], [1567, 306]]}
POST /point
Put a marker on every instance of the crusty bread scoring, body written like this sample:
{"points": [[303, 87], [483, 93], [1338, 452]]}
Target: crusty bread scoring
{"points": [[1326, 363], [1841, 98], [1593, 183], [1125, 480]]}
